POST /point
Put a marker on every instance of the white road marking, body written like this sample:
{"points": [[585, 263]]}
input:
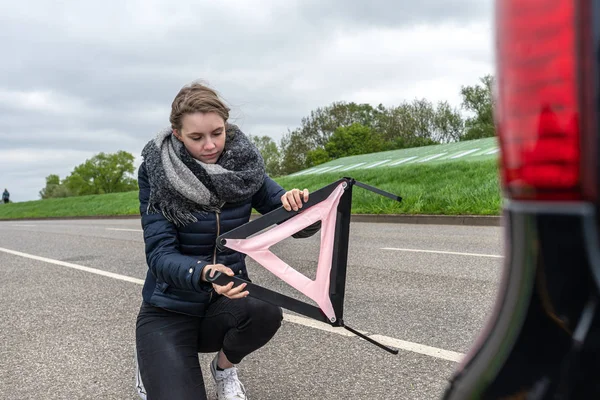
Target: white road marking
{"points": [[376, 164], [390, 341], [419, 348], [123, 229], [24, 225], [443, 252], [318, 170], [402, 161], [75, 266], [464, 153], [331, 169], [313, 323], [306, 171], [352, 166], [483, 152], [432, 157]]}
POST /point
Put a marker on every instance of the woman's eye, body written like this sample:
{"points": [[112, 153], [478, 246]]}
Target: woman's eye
{"points": [[196, 139]]}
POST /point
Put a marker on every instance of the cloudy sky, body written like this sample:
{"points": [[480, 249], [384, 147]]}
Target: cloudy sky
{"points": [[81, 77]]}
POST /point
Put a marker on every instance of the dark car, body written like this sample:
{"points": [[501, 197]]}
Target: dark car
{"points": [[542, 340]]}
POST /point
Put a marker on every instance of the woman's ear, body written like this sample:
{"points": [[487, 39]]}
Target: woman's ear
{"points": [[177, 134]]}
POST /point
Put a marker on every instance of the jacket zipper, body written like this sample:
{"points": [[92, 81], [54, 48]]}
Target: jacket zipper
{"points": [[218, 215]]}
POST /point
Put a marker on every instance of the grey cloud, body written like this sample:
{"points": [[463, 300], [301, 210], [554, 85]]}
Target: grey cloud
{"points": [[396, 14], [117, 65]]}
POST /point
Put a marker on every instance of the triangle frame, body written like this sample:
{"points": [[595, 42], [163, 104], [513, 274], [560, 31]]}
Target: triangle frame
{"points": [[330, 205]]}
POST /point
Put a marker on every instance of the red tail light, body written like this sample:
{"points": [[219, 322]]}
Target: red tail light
{"points": [[543, 101]]}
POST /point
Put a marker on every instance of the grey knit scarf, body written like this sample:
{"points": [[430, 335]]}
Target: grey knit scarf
{"points": [[181, 185]]}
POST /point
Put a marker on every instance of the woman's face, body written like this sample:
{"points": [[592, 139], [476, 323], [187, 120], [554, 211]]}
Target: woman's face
{"points": [[203, 135]]}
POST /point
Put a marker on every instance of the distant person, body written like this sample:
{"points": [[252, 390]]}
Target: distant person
{"points": [[6, 196], [200, 178]]}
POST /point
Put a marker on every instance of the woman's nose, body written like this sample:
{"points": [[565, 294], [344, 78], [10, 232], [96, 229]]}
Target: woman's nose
{"points": [[209, 145]]}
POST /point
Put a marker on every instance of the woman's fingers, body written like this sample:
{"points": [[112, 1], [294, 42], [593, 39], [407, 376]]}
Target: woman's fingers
{"points": [[211, 270], [223, 289], [230, 291], [297, 199], [238, 296], [285, 202], [236, 290], [293, 199]]}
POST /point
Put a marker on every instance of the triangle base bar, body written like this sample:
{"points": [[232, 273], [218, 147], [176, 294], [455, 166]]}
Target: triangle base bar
{"points": [[289, 303], [368, 339], [271, 297], [378, 191]]}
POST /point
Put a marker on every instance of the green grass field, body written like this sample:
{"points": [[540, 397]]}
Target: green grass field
{"points": [[105, 204], [465, 188]]}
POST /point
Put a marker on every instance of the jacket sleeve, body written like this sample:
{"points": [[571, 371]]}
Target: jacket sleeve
{"points": [[162, 246], [268, 198]]}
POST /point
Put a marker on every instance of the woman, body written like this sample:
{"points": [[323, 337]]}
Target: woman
{"points": [[199, 179]]}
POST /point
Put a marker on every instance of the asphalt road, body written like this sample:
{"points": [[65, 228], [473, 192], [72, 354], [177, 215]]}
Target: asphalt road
{"points": [[67, 331]]}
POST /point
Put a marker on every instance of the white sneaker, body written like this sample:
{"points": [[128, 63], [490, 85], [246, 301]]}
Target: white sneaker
{"points": [[229, 386]]}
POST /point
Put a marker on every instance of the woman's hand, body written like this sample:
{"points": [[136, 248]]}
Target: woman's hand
{"points": [[292, 200], [227, 290]]}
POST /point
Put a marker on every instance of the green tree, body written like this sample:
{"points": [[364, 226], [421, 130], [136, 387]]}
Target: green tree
{"points": [[478, 100], [419, 123], [270, 153], [323, 122], [103, 173], [54, 188], [294, 147], [317, 156], [305, 146], [409, 125], [353, 140], [449, 124]]}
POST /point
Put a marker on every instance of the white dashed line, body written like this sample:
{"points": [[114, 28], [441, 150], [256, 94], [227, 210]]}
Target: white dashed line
{"points": [[353, 166], [318, 170], [376, 164], [308, 171], [402, 161], [75, 266], [432, 157], [331, 169], [484, 152], [464, 153]]}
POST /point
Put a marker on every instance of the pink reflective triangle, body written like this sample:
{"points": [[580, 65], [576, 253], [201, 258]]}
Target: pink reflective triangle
{"points": [[257, 248]]}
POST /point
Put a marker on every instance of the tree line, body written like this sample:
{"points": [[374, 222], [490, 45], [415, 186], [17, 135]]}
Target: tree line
{"points": [[101, 174], [339, 130], [345, 129]]}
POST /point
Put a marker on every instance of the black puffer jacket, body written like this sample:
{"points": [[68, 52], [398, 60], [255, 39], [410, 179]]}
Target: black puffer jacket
{"points": [[176, 256]]}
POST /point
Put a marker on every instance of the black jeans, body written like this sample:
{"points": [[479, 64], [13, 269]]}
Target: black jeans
{"points": [[168, 343]]}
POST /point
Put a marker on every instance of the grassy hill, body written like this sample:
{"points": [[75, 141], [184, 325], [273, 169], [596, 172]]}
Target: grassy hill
{"points": [[469, 150], [453, 186]]}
